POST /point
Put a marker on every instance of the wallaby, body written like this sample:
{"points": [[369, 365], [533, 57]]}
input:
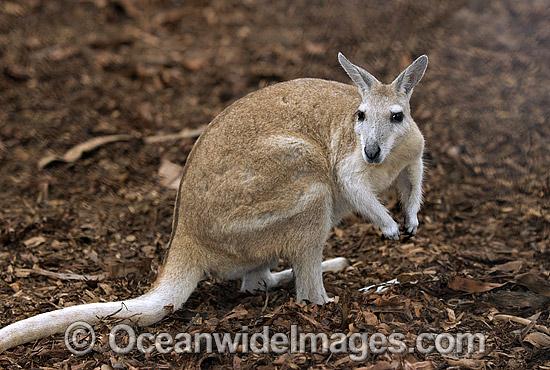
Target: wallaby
{"points": [[268, 179]]}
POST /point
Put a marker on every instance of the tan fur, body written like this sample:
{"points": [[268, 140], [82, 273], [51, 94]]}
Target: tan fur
{"points": [[268, 179]]}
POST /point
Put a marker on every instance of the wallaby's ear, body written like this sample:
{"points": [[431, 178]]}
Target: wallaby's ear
{"points": [[412, 75], [363, 79]]}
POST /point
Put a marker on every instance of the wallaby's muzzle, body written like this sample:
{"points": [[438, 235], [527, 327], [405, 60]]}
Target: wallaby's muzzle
{"points": [[372, 152]]}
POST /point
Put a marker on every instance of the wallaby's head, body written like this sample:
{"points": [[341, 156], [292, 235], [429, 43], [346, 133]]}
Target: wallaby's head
{"points": [[383, 117]]}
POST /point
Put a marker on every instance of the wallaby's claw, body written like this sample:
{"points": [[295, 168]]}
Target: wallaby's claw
{"points": [[391, 232], [411, 225], [411, 230], [395, 236]]}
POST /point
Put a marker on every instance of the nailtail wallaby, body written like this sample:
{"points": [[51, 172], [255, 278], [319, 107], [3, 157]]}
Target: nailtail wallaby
{"points": [[268, 179]]}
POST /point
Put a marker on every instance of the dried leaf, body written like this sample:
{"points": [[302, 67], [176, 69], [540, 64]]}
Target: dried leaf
{"points": [[370, 318], [106, 288], [76, 152], [466, 363], [237, 312], [343, 360], [534, 283], [461, 284], [285, 358], [539, 340], [119, 270], [338, 232], [422, 365], [511, 266], [170, 174]]}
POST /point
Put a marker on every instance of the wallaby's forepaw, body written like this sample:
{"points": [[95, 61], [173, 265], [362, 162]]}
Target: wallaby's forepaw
{"points": [[411, 225], [392, 231]]}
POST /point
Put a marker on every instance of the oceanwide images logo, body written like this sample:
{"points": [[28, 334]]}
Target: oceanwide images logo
{"points": [[80, 339]]}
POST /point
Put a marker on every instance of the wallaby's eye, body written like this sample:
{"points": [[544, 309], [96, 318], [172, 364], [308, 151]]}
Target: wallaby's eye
{"points": [[360, 115], [397, 117]]}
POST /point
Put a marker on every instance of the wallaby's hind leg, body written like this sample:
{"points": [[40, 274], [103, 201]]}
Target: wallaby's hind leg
{"points": [[333, 265], [308, 271], [259, 279]]}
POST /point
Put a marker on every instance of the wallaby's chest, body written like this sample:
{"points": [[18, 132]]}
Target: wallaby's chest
{"points": [[376, 178], [381, 178]]}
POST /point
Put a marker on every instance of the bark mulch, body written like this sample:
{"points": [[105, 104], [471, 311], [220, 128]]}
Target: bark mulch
{"points": [[71, 71]]}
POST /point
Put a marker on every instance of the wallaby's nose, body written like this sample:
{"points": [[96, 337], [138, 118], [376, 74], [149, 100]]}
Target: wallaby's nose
{"points": [[372, 152]]}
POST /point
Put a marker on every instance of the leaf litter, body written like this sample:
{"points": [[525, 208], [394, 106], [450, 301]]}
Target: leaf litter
{"points": [[143, 70]]}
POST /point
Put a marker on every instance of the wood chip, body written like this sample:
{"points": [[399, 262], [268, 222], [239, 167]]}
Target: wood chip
{"points": [[34, 242]]}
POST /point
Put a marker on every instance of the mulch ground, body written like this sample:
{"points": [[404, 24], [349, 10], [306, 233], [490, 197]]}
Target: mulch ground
{"points": [[74, 70]]}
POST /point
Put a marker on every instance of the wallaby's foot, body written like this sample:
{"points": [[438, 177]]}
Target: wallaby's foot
{"points": [[335, 265], [411, 225], [391, 231], [317, 297], [254, 282], [258, 279]]}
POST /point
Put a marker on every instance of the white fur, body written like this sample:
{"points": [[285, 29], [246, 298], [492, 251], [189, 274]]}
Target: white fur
{"points": [[396, 108], [361, 196]]}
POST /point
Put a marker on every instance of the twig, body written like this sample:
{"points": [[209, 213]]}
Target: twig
{"points": [[521, 320], [64, 276], [186, 133]]}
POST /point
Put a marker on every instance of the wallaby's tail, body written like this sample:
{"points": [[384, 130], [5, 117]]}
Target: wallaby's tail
{"points": [[170, 292]]}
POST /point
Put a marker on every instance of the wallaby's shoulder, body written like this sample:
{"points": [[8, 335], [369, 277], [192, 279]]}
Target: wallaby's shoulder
{"points": [[306, 106], [303, 95]]}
